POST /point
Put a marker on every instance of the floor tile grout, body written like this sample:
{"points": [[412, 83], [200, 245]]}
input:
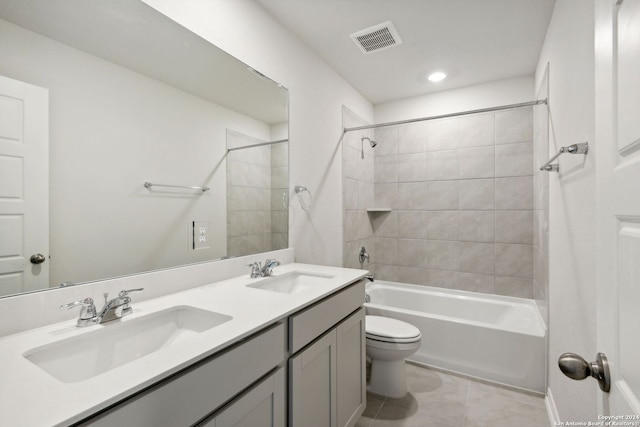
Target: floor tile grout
{"points": [[466, 404], [435, 391]]}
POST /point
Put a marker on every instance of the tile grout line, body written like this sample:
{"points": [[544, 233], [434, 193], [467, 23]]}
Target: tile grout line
{"points": [[466, 404], [375, 417]]}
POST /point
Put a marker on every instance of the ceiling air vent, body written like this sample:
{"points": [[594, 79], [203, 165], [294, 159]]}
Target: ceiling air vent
{"points": [[376, 38]]}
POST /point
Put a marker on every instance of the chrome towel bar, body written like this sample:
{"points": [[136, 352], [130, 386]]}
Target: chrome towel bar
{"points": [[149, 185], [582, 148]]}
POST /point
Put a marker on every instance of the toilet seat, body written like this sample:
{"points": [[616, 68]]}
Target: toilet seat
{"points": [[386, 329]]}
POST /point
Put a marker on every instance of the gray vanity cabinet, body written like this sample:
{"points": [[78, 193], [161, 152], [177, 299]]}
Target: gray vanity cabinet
{"points": [[327, 384], [327, 379], [351, 364], [313, 389], [190, 396], [261, 406], [321, 355]]}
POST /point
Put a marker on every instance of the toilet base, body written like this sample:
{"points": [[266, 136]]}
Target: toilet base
{"points": [[388, 378]]}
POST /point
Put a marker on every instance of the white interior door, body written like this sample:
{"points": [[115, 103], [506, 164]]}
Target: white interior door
{"points": [[618, 200], [24, 186]]}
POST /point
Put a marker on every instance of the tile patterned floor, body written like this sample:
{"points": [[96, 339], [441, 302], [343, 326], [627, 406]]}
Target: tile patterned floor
{"points": [[436, 399]]}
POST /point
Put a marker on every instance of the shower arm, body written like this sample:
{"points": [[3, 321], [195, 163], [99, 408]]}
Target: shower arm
{"points": [[372, 143]]}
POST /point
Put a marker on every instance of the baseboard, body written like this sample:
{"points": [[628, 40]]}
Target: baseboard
{"points": [[552, 411]]}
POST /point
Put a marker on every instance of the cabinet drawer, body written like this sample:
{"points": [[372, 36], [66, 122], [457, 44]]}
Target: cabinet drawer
{"points": [[261, 406], [307, 325], [191, 395]]}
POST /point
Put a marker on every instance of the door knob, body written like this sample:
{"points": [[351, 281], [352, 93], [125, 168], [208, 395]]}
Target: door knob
{"points": [[576, 368], [37, 259]]}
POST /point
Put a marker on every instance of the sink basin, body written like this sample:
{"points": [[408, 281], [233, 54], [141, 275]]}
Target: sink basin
{"points": [[292, 282], [117, 343]]}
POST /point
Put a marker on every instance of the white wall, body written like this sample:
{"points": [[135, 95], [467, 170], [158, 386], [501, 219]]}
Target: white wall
{"points": [[316, 96], [569, 50], [501, 92], [111, 130]]}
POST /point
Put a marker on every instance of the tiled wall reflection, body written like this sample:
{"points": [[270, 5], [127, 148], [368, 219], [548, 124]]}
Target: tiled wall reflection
{"points": [[461, 194], [257, 220]]}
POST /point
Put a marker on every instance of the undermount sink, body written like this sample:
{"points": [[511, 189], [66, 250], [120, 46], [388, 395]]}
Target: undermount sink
{"points": [[115, 344], [293, 282]]}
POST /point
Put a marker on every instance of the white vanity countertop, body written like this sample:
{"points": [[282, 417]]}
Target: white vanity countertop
{"points": [[31, 397]]}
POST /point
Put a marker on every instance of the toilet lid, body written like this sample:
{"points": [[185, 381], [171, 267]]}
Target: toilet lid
{"points": [[390, 330]]}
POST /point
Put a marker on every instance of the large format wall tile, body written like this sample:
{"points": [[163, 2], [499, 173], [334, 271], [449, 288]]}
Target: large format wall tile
{"points": [[442, 195], [462, 194], [442, 165], [514, 193], [477, 162], [514, 227], [476, 130], [514, 260], [443, 255], [442, 225], [385, 169], [514, 126], [514, 159], [442, 135], [412, 139], [412, 167], [477, 257], [477, 226], [411, 224], [477, 194]]}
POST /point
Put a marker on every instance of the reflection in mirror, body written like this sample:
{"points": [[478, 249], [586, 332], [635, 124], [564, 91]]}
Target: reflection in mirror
{"points": [[132, 97], [257, 194]]}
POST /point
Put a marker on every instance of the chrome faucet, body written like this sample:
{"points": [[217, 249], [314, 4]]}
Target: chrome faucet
{"points": [[114, 309], [269, 266], [88, 314], [258, 270], [117, 307]]}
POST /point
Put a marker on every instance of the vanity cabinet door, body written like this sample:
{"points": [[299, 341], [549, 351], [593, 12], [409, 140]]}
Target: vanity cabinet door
{"points": [[312, 388], [327, 378], [261, 406], [351, 363]]}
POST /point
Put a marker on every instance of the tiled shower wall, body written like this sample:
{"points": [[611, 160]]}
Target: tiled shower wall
{"points": [[257, 219], [358, 192], [461, 194]]}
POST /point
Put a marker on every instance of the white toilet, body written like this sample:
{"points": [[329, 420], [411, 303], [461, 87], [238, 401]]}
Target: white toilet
{"points": [[389, 342]]}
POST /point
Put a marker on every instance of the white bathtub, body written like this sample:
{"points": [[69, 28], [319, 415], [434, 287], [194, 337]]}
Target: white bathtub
{"points": [[495, 338]]}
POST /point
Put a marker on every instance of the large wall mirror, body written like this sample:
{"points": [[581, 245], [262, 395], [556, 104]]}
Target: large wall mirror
{"points": [[117, 95]]}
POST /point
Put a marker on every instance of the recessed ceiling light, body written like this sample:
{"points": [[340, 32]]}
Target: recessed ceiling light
{"points": [[437, 76]]}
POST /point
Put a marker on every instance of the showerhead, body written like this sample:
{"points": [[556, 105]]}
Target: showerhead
{"points": [[371, 142]]}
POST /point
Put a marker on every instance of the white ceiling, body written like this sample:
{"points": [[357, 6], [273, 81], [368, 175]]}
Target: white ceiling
{"points": [[473, 41]]}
